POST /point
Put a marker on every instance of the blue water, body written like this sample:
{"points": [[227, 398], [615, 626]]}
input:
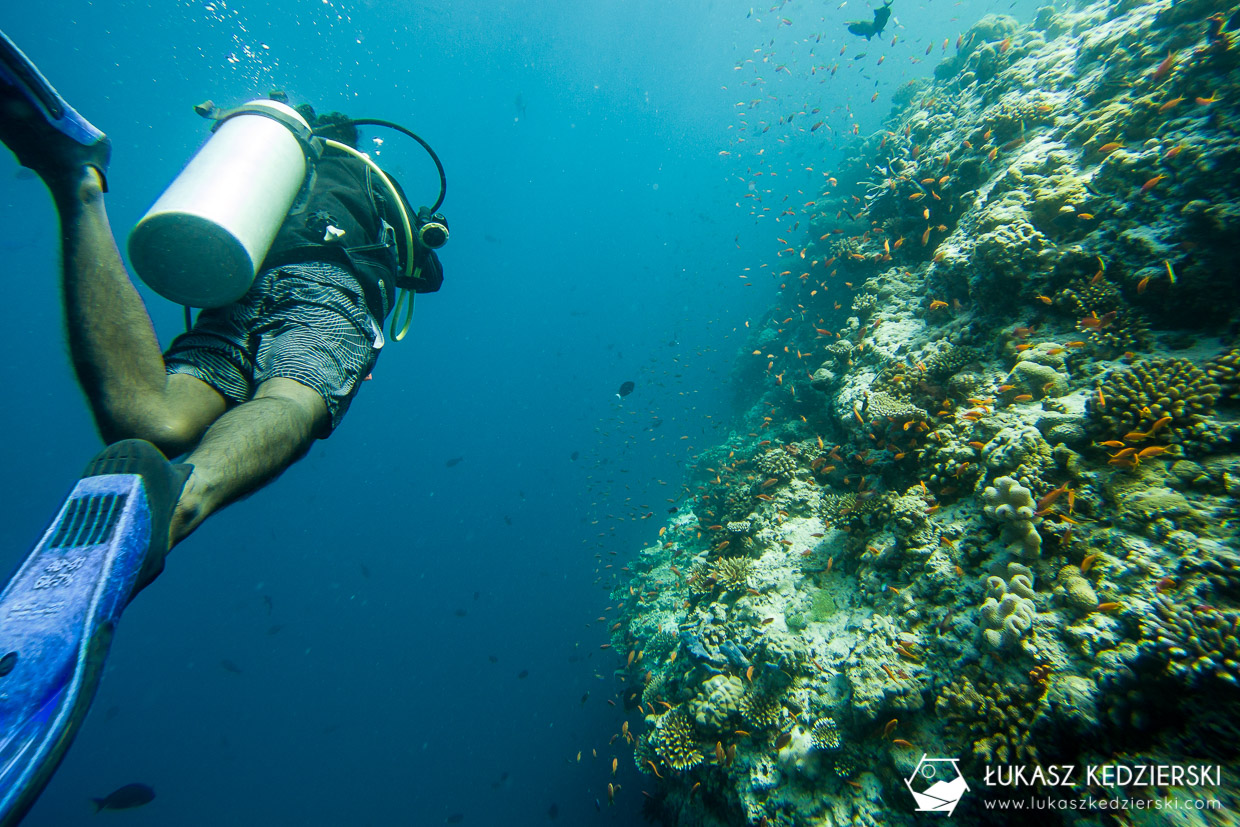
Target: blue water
{"points": [[381, 604]]}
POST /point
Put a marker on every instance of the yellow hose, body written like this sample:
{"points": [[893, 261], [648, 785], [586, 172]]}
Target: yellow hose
{"points": [[410, 271]]}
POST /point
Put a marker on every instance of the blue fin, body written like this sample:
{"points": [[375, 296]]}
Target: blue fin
{"points": [[46, 133], [58, 612]]}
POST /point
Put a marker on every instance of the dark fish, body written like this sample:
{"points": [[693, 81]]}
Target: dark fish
{"points": [[365, 571], [460, 612], [493, 658], [477, 595], [126, 798], [267, 601], [275, 628], [454, 461], [859, 56], [524, 673], [869, 28], [585, 697], [553, 812], [229, 666], [7, 663], [625, 389], [575, 454], [455, 818]]}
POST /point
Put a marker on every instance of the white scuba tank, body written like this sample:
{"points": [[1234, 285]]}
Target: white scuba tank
{"points": [[202, 242]]}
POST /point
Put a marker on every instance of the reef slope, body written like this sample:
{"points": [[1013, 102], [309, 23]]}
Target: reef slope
{"points": [[982, 503]]}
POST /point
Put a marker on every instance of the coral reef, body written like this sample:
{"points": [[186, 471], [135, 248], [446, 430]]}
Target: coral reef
{"points": [[980, 496]]}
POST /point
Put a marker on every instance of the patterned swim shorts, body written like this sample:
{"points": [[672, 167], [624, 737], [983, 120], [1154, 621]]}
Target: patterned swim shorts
{"points": [[306, 322]]}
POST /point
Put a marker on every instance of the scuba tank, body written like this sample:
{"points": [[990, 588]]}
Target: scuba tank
{"points": [[203, 240]]}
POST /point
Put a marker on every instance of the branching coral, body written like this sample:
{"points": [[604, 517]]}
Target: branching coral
{"points": [[777, 463], [1224, 370], [995, 719], [1136, 398], [731, 573], [1196, 644], [760, 709], [673, 740], [826, 735]]}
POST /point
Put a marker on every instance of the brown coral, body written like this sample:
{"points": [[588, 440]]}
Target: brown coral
{"points": [[1224, 370], [777, 463], [1134, 399], [996, 720]]}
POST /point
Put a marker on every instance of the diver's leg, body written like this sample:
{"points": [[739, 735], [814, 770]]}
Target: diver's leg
{"points": [[113, 345], [114, 348], [247, 448]]}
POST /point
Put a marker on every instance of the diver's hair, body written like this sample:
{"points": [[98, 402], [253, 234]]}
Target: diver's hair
{"points": [[335, 126]]}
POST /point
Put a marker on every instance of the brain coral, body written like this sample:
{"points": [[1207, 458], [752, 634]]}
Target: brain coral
{"points": [[1008, 611], [718, 701], [1010, 503]]}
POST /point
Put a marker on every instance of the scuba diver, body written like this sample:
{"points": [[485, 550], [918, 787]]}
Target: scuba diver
{"points": [[296, 248]]}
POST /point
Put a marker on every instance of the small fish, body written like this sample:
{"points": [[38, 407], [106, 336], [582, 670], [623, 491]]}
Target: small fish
{"points": [[783, 740], [1171, 104], [229, 666], [1163, 69], [1149, 185], [125, 798]]}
